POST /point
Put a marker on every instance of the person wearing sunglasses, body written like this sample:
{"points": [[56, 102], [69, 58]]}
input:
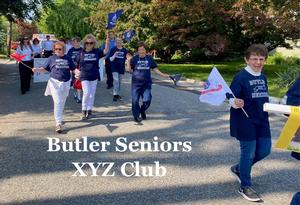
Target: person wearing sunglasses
{"points": [[60, 67], [88, 62], [25, 73]]}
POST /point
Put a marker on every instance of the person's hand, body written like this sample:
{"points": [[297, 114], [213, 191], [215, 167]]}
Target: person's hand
{"points": [[128, 56], [239, 102], [34, 70], [77, 73]]}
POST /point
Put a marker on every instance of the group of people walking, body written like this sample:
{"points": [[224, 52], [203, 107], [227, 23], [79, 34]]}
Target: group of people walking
{"points": [[249, 88], [82, 64]]}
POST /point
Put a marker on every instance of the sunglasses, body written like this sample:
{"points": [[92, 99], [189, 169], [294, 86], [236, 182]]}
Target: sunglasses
{"points": [[25, 39], [58, 49], [89, 43]]}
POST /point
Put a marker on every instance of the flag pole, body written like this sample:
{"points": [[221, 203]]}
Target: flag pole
{"points": [[25, 65], [241, 107]]}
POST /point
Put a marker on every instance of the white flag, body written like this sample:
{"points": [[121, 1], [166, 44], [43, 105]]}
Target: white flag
{"points": [[215, 89]]}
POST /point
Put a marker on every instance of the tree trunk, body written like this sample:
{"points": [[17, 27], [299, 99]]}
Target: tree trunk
{"points": [[9, 36]]}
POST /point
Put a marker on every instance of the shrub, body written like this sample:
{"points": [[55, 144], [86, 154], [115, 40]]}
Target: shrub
{"points": [[287, 78]]}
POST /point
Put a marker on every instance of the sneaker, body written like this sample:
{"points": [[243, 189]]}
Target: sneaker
{"points": [[249, 194], [83, 115], [235, 173], [143, 115], [58, 128], [137, 119], [119, 97], [89, 114], [115, 98], [109, 86]]}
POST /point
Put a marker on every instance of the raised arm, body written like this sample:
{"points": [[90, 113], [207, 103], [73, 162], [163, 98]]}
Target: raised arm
{"points": [[106, 48]]}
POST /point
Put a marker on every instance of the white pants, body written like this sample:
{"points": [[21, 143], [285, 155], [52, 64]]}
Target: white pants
{"points": [[59, 92], [117, 82], [89, 90]]}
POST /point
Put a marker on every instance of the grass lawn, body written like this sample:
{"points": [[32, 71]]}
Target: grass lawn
{"points": [[227, 70]]}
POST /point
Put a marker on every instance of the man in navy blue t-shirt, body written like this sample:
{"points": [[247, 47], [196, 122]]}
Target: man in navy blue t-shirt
{"points": [[250, 89], [112, 43], [141, 66], [117, 58]]}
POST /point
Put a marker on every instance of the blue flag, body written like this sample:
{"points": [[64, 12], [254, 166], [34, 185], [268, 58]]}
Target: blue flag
{"points": [[113, 17], [128, 35]]}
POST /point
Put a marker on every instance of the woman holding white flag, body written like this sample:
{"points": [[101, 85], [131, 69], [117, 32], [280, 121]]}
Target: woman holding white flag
{"points": [[250, 89]]}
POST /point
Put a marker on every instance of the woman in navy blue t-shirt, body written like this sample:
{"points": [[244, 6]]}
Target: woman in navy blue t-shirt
{"points": [[88, 61], [60, 67], [141, 65], [250, 89]]}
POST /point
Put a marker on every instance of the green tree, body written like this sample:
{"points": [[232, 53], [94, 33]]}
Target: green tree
{"points": [[19, 9], [67, 18]]}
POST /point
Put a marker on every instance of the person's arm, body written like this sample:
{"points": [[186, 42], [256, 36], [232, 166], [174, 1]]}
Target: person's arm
{"points": [[112, 55], [106, 48], [39, 70], [157, 71], [44, 68], [129, 63], [236, 87]]}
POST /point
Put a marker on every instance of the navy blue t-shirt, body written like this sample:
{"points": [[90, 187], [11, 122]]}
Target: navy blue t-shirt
{"points": [[89, 64], [293, 94], [74, 52], [254, 91], [118, 64], [142, 70], [59, 67]]}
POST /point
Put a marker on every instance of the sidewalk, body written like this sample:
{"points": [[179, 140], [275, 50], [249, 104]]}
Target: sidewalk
{"points": [[29, 175]]}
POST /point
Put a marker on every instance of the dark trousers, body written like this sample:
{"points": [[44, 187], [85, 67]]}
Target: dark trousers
{"points": [[109, 75], [143, 92], [25, 75], [47, 54]]}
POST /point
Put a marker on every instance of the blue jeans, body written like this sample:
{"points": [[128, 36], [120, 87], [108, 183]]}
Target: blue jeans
{"points": [[143, 92], [296, 199], [252, 152]]}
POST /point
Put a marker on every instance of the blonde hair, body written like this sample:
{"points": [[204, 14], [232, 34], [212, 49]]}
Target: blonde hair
{"points": [[89, 36], [60, 43]]}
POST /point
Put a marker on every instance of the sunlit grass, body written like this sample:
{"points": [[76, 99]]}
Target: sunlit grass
{"points": [[227, 70]]}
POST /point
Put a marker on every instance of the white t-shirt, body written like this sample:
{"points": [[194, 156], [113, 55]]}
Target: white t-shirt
{"points": [[36, 49], [47, 45], [27, 51]]}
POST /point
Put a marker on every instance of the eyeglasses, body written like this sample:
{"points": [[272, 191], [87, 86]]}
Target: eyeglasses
{"points": [[58, 49], [257, 59], [89, 43]]}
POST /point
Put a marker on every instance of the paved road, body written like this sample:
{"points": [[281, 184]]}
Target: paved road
{"points": [[29, 175]]}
